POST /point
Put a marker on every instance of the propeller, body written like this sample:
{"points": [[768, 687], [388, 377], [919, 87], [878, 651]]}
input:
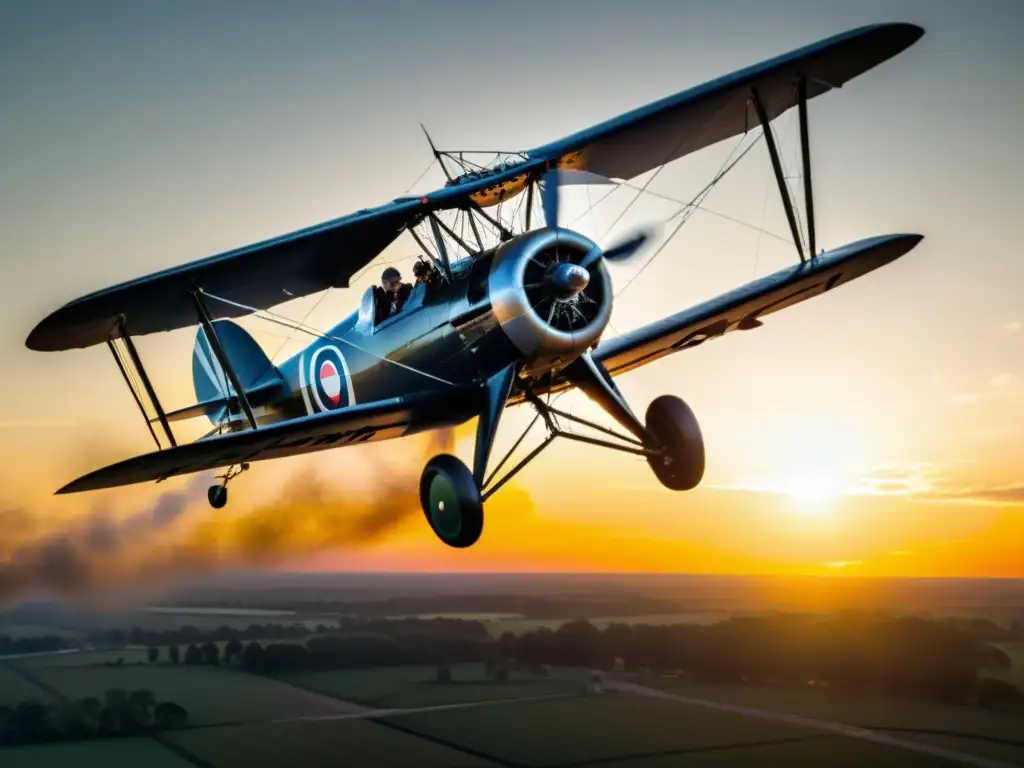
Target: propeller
{"points": [[568, 279]]}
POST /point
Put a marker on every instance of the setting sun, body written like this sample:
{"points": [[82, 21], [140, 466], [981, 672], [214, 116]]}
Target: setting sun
{"points": [[813, 491]]}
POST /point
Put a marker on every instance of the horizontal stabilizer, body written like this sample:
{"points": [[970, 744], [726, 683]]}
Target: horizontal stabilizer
{"points": [[257, 396]]}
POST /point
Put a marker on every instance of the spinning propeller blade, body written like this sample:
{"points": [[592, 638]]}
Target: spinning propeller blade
{"points": [[549, 191]]}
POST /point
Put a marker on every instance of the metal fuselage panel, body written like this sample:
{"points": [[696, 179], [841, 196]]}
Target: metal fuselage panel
{"points": [[445, 335]]}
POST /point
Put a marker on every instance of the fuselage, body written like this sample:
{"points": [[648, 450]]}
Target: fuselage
{"points": [[503, 306], [445, 334]]}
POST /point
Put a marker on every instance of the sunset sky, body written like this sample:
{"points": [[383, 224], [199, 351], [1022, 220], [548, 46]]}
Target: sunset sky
{"points": [[874, 431]]}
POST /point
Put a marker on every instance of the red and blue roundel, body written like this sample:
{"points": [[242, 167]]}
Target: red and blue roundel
{"points": [[329, 379]]}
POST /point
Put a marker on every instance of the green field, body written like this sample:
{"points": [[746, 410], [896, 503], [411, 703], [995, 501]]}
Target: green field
{"points": [[820, 752], [15, 689], [210, 694], [418, 687], [120, 753], [579, 729], [324, 743], [900, 717], [863, 710]]}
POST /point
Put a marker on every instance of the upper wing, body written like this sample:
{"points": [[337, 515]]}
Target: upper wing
{"points": [[362, 423], [742, 308], [666, 130], [259, 275]]}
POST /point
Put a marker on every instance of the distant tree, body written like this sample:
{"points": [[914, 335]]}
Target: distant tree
{"points": [[7, 724], [168, 715], [233, 650], [90, 709], [31, 721], [210, 654], [252, 657], [501, 674], [193, 655], [71, 721], [444, 674], [174, 653], [153, 654], [143, 701], [998, 695], [991, 657]]}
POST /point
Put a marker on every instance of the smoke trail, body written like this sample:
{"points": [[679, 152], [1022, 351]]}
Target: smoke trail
{"points": [[176, 536]]}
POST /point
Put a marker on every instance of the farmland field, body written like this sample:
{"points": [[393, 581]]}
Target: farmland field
{"points": [[211, 695], [418, 686], [120, 753], [15, 689], [899, 717], [583, 729], [863, 710], [624, 730], [323, 743]]}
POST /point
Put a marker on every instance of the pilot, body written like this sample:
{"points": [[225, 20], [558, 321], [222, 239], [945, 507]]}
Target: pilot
{"points": [[393, 293], [424, 272]]}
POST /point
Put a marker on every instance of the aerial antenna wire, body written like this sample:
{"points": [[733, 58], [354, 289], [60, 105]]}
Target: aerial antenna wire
{"points": [[288, 323]]}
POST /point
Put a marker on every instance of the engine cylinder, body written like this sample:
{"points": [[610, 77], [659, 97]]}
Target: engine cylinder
{"points": [[549, 326]]}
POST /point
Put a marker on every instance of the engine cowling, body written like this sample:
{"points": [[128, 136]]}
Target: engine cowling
{"points": [[548, 305]]}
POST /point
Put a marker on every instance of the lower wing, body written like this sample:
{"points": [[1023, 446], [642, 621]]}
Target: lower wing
{"points": [[362, 423], [742, 308]]}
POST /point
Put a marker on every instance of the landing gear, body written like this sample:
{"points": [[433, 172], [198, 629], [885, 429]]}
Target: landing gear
{"points": [[218, 494], [452, 496], [452, 501], [674, 428]]}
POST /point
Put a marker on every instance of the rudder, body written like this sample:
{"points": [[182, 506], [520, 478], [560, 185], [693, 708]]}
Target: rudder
{"points": [[250, 362]]}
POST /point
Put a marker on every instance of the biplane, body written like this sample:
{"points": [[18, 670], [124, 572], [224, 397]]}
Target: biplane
{"points": [[514, 312]]}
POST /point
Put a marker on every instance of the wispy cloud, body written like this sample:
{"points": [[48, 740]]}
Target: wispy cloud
{"points": [[914, 481], [843, 563], [1013, 325]]}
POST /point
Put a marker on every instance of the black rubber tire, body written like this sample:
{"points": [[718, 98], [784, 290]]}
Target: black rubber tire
{"points": [[675, 428], [217, 495], [451, 501]]}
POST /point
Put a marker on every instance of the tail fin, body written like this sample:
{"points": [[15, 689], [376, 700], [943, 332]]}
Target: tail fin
{"points": [[252, 366]]}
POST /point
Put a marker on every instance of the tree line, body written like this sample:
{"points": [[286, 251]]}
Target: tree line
{"points": [[41, 644], [121, 713], [852, 653]]}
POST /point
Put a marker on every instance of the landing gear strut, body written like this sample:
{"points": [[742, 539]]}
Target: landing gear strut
{"points": [[452, 496]]}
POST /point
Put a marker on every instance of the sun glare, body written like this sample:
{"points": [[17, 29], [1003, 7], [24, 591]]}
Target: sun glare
{"points": [[813, 491]]}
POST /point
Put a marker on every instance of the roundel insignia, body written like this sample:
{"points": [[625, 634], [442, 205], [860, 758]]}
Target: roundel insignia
{"points": [[329, 379]]}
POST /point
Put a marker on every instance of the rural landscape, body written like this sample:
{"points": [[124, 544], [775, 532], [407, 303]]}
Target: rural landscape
{"points": [[525, 670]]}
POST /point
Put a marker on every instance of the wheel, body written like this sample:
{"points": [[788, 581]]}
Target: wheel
{"points": [[451, 501], [675, 428], [218, 496]]}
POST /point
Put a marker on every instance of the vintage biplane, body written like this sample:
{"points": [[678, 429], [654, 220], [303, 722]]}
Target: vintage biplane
{"points": [[515, 312]]}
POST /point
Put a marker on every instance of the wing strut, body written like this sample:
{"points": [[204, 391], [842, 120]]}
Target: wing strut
{"points": [[135, 394], [805, 160], [787, 201], [222, 356], [146, 383]]}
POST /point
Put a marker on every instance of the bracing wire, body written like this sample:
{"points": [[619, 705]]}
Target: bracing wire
{"points": [[687, 210], [288, 323]]}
